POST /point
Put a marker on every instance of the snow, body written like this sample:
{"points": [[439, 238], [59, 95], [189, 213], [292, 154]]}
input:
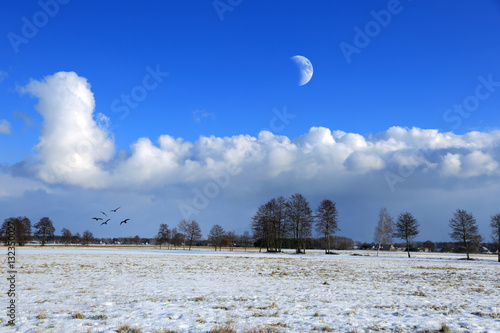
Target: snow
{"points": [[193, 291]]}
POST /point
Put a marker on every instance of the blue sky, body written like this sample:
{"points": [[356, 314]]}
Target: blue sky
{"points": [[229, 76]]}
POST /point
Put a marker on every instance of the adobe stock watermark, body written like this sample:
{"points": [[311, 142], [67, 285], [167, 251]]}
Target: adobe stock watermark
{"points": [[10, 234], [222, 6], [403, 171], [482, 92], [137, 94], [212, 189], [209, 191], [371, 29], [31, 26], [280, 120]]}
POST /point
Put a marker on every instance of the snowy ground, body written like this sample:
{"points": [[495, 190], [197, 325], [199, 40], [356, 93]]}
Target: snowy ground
{"points": [[101, 289]]}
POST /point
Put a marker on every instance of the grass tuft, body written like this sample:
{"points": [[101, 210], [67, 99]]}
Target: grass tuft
{"points": [[77, 315], [127, 329]]}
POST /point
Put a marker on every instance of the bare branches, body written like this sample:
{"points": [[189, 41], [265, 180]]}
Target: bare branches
{"points": [[384, 229], [464, 229], [327, 221], [495, 227]]}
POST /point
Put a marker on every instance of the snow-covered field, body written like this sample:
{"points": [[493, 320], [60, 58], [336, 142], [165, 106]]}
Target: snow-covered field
{"points": [[101, 289]]}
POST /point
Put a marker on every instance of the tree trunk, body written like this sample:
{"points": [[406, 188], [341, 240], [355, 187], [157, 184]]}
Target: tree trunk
{"points": [[466, 248], [408, 247]]}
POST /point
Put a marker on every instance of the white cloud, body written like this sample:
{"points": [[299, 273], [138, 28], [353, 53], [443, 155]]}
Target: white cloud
{"points": [[451, 165], [75, 149], [4, 126], [71, 144], [473, 164]]}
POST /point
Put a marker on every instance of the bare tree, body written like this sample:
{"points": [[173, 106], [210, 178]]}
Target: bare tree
{"points": [[495, 227], [300, 219], [137, 240], [261, 226], [87, 237], [245, 240], [232, 238], [177, 238], [216, 235], [22, 229], [277, 208], [464, 229], [77, 238], [183, 227], [269, 224], [44, 229], [66, 236], [406, 228], [191, 231], [384, 229], [163, 235], [327, 221]]}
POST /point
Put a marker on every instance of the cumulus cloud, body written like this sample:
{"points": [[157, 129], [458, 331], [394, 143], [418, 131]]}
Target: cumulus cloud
{"points": [[475, 163], [71, 144], [4, 126], [75, 148]]}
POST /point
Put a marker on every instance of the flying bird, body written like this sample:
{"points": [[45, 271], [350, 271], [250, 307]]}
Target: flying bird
{"points": [[104, 213], [105, 222], [124, 221], [114, 210], [96, 218]]}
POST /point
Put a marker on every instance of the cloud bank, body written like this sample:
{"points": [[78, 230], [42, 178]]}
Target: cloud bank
{"points": [[74, 149]]}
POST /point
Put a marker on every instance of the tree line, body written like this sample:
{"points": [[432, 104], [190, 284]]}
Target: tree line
{"points": [[188, 233], [279, 223], [463, 225], [282, 219], [44, 230]]}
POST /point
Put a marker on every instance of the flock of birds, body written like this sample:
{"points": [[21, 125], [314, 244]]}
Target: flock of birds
{"points": [[106, 222]]}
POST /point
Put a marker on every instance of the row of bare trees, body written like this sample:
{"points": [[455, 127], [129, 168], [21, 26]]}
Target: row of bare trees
{"points": [[463, 226], [44, 229], [188, 233], [280, 218]]}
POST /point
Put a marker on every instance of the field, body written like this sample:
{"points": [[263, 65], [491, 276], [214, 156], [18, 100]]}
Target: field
{"points": [[73, 289]]}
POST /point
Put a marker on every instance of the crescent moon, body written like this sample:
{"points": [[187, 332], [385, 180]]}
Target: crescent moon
{"points": [[305, 67]]}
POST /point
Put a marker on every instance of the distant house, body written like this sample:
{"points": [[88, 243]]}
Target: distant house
{"points": [[485, 250]]}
